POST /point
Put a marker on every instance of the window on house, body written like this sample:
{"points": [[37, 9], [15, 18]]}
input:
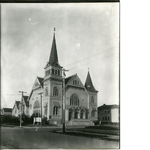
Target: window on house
{"points": [[108, 111], [55, 91], [108, 118], [105, 118], [74, 100], [46, 91]]}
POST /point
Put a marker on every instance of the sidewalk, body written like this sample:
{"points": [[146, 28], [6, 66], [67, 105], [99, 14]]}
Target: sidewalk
{"points": [[30, 126], [91, 135]]}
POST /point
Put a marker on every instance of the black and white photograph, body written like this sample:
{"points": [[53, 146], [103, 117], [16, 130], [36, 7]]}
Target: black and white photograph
{"points": [[60, 65]]}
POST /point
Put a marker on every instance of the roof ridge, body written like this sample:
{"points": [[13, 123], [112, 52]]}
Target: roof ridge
{"points": [[71, 76], [40, 77]]}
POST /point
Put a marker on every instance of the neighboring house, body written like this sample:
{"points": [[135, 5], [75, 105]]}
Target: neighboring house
{"points": [[108, 113], [81, 99], [6, 112], [15, 110], [24, 106], [34, 98]]}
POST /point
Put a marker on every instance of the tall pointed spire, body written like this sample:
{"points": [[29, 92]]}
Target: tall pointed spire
{"points": [[88, 83], [53, 59]]}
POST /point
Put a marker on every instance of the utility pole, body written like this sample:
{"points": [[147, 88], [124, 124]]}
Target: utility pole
{"points": [[41, 107], [64, 100], [21, 107]]}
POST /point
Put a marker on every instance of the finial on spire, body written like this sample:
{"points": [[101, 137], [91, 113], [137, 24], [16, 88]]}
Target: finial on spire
{"points": [[88, 69], [54, 29]]}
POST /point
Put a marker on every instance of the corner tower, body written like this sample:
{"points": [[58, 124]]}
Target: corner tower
{"points": [[52, 95], [92, 94]]}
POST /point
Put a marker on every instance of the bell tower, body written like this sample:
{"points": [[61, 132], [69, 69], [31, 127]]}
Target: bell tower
{"points": [[52, 95], [92, 96]]}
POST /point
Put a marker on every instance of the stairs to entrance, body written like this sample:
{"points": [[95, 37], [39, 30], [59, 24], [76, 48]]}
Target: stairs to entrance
{"points": [[84, 122]]}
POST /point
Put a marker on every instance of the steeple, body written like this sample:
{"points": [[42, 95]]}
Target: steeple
{"points": [[53, 59], [88, 84]]}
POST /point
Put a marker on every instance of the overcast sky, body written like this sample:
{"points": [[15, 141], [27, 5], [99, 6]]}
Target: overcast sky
{"points": [[87, 36]]}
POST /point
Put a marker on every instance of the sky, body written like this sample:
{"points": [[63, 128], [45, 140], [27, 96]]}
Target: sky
{"points": [[87, 36]]}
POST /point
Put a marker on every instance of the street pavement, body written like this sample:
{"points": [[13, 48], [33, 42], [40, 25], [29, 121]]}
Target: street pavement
{"points": [[44, 138]]}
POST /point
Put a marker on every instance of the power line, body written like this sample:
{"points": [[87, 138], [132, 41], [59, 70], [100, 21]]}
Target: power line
{"points": [[93, 61], [11, 94], [109, 49]]}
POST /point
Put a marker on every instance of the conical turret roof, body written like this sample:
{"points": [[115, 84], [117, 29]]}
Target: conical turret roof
{"points": [[88, 84], [53, 59]]}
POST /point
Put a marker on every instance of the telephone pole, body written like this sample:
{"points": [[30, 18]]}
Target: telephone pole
{"points": [[21, 107], [64, 100], [41, 107]]}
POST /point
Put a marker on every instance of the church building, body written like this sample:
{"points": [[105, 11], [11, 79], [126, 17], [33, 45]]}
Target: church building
{"points": [[46, 97]]}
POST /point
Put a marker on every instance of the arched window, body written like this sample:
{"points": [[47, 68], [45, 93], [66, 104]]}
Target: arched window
{"points": [[92, 99], [46, 91], [52, 71], [55, 91], [55, 110], [75, 82], [59, 72], [36, 104], [74, 100], [55, 72]]}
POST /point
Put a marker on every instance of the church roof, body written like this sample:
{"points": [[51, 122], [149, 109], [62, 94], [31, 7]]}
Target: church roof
{"points": [[25, 99], [88, 84], [41, 80], [69, 78], [53, 59]]}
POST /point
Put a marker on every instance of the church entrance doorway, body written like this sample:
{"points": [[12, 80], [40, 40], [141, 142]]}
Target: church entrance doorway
{"points": [[81, 115], [70, 115], [76, 115]]}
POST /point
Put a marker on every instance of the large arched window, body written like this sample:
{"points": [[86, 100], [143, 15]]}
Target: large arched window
{"points": [[36, 104], [55, 91], [74, 100]]}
